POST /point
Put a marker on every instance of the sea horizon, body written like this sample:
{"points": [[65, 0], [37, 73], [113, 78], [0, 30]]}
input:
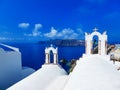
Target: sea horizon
{"points": [[33, 54]]}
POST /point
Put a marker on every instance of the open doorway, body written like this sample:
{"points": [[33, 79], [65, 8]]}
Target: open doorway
{"points": [[95, 44], [51, 57]]}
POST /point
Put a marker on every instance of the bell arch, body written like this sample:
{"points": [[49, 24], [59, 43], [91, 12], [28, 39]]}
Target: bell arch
{"points": [[95, 44], [102, 39], [47, 55]]}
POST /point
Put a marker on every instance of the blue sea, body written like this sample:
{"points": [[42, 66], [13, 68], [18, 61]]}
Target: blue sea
{"points": [[33, 54]]}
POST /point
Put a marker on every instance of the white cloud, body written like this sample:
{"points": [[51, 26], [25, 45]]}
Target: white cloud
{"points": [[52, 33], [38, 26], [35, 31], [25, 34], [23, 25], [66, 33], [3, 38], [6, 38]]}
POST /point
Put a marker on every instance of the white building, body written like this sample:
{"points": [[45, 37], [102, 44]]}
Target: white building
{"points": [[102, 42], [11, 67], [92, 71], [49, 72], [55, 55]]}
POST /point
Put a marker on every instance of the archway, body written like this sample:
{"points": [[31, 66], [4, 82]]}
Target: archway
{"points": [[51, 54], [95, 44], [101, 42]]}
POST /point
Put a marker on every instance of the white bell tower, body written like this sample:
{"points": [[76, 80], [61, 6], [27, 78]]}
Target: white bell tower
{"points": [[47, 55], [102, 39]]}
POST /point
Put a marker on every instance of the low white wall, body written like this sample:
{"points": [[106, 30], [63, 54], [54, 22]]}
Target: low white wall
{"points": [[10, 68]]}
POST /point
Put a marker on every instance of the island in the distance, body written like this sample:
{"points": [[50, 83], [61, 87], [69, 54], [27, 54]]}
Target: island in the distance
{"points": [[64, 42]]}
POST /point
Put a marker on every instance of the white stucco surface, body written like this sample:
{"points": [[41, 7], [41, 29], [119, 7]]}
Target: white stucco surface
{"points": [[40, 79], [11, 67], [102, 39], [94, 73]]}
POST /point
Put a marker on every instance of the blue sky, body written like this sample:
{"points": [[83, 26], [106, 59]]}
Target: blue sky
{"points": [[34, 20]]}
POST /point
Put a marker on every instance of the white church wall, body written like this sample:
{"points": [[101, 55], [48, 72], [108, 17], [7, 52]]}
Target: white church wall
{"points": [[47, 55], [10, 67], [102, 39], [41, 79], [11, 70]]}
